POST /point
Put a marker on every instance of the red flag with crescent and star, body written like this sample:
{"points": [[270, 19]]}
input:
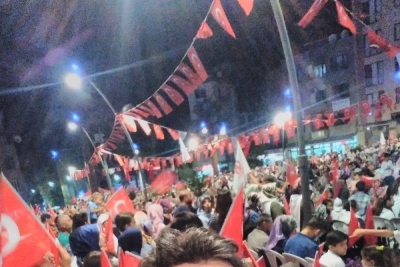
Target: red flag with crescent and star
{"points": [[20, 229], [166, 108], [204, 31], [247, 5], [217, 11], [375, 39], [196, 63], [119, 202], [174, 95], [127, 259], [344, 18], [104, 261], [312, 12]]}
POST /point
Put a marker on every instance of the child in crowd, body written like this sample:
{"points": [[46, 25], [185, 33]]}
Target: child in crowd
{"points": [[95, 207], [336, 242], [376, 256]]}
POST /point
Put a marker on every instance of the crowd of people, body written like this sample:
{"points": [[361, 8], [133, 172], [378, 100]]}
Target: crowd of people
{"points": [[180, 228]]}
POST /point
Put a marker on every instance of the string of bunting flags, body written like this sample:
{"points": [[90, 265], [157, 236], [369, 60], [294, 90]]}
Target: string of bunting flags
{"points": [[344, 19]]}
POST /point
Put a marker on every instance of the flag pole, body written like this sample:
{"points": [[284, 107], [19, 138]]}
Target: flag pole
{"points": [[294, 85]]}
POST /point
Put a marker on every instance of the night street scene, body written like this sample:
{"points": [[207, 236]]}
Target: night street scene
{"points": [[194, 133]]}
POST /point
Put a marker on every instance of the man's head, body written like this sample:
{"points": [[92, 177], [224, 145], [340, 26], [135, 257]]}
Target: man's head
{"points": [[197, 247], [124, 220], [264, 223], [316, 227], [336, 241], [64, 223], [92, 259], [97, 198], [185, 220], [360, 186], [356, 173], [185, 197], [45, 218]]}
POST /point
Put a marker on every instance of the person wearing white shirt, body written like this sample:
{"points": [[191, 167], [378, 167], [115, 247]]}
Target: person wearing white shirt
{"points": [[336, 242], [338, 213], [387, 165], [386, 205]]}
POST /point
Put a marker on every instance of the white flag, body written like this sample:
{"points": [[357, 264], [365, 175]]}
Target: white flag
{"points": [[242, 168], [183, 148], [382, 140]]}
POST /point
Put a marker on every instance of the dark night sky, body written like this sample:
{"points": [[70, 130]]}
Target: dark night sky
{"points": [[104, 35]]}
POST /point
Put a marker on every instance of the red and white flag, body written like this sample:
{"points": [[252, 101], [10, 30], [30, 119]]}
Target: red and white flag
{"points": [[233, 225], [344, 18], [204, 31], [109, 234], [127, 259], [158, 132], [375, 39], [119, 202], [174, 134], [154, 110], [312, 12], [187, 87], [353, 225], [104, 261], [51, 212], [145, 126], [19, 230], [192, 76], [316, 260], [174, 95], [365, 107], [129, 122], [247, 5], [196, 63], [247, 254], [369, 224], [217, 11], [166, 108], [242, 168]]}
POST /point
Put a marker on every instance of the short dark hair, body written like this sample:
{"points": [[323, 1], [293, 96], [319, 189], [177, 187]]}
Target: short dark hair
{"points": [[92, 259], [318, 223], [122, 219], [185, 220], [44, 217], [335, 237], [360, 185], [196, 245], [263, 218]]}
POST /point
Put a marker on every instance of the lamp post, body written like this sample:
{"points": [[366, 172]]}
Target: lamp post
{"points": [[291, 67], [142, 185], [73, 80], [280, 119], [73, 127]]}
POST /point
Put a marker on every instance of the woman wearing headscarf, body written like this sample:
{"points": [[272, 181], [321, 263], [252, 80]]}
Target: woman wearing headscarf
{"points": [[167, 210], [131, 240], [281, 230], [144, 223], [155, 213]]}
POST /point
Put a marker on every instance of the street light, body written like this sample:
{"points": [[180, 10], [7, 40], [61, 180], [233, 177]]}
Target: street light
{"points": [[74, 81], [51, 184], [280, 119], [54, 154], [222, 130], [72, 126], [203, 127], [33, 191]]}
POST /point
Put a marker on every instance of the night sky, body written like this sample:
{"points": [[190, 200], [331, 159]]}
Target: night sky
{"points": [[40, 40]]}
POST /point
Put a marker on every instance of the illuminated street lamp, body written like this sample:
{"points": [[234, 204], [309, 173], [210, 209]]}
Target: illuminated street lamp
{"points": [[51, 184], [73, 81], [203, 127], [222, 130], [33, 191]]}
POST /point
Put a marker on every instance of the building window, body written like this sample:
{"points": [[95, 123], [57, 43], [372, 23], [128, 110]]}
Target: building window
{"points": [[9, 163], [374, 73], [320, 70], [371, 11], [339, 62], [396, 2], [342, 90], [371, 51], [320, 95], [397, 31]]}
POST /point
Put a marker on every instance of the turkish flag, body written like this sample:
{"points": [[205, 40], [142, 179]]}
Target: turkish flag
{"points": [[127, 259], [247, 5], [230, 147], [104, 261], [146, 108], [378, 110], [119, 202], [190, 75], [261, 262], [164, 181], [318, 122], [286, 206], [291, 175], [387, 100], [316, 260], [331, 119], [126, 169], [20, 229], [196, 63], [290, 127], [344, 18], [166, 108], [369, 182], [187, 87], [312, 12], [248, 254], [265, 136], [140, 112], [155, 111], [204, 31], [323, 196], [145, 126], [353, 225], [174, 95], [274, 131], [256, 138], [218, 13], [349, 113], [158, 131], [233, 225], [369, 224], [109, 234], [51, 212], [365, 107], [375, 39], [174, 134]]}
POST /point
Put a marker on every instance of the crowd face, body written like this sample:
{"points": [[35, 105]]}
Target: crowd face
{"points": [[98, 200], [207, 205], [340, 248]]}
